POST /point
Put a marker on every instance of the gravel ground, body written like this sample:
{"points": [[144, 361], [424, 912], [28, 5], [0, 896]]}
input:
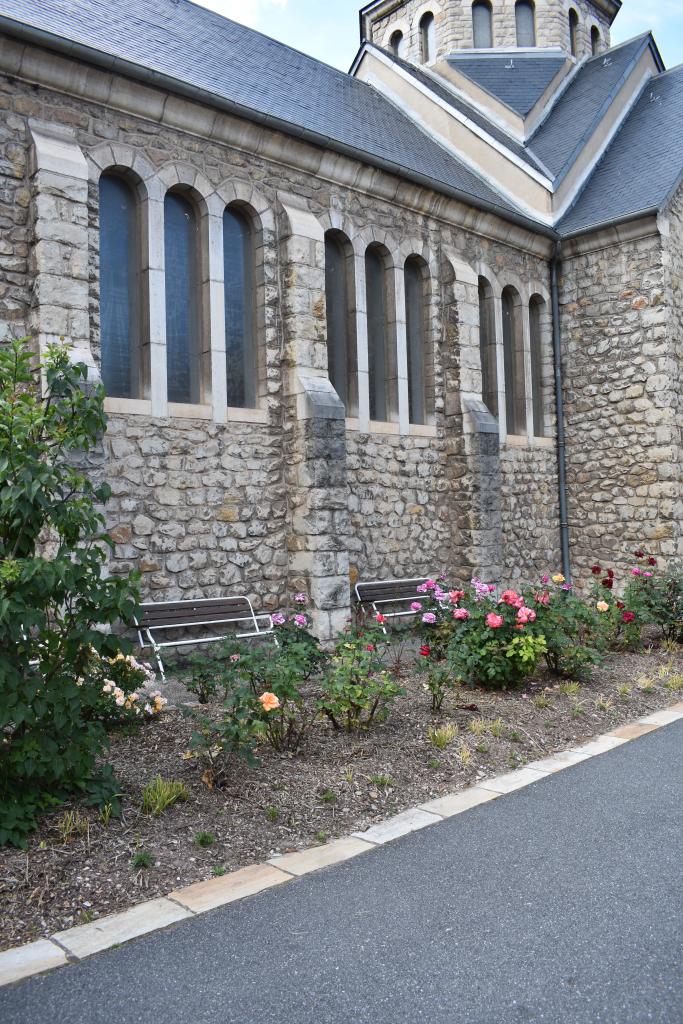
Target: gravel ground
{"points": [[338, 784]]}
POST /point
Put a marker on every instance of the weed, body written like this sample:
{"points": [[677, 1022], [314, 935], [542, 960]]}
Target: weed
{"points": [[70, 824], [604, 703], [105, 814], [160, 794], [624, 691], [321, 837], [86, 916], [542, 701], [481, 748], [329, 796], [218, 871], [272, 814], [515, 737], [205, 839], [141, 860], [382, 780], [442, 736], [433, 763], [477, 726], [349, 776], [577, 709], [664, 671], [645, 684], [674, 684], [464, 755], [497, 728], [570, 689]]}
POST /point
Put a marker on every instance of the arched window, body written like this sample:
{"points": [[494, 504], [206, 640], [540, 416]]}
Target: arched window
{"points": [[397, 44], [181, 244], [240, 309], [382, 367], [525, 19], [536, 325], [420, 363], [487, 347], [574, 32], [513, 350], [482, 25], [596, 39], [428, 37], [341, 335], [119, 289]]}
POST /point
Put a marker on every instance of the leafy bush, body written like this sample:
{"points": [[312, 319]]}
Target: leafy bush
{"points": [[571, 628], [658, 595], [53, 592], [357, 690]]}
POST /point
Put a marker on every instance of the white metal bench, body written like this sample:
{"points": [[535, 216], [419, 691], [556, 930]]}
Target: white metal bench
{"points": [[157, 620], [390, 598]]}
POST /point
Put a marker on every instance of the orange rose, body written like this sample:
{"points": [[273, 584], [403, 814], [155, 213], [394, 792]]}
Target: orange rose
{"points": [[269, 702]]}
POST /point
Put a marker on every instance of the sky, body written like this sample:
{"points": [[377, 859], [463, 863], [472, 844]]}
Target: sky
{"points": [[328, 30]]}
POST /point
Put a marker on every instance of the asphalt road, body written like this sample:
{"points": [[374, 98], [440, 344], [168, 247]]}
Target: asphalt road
{"points": [[560, 904]]}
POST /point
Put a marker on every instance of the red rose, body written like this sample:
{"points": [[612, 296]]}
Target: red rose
{"points": [[620, 605], [628, 617], [370, 647], [608, 583], [596, 570], [610, 573], [425, 651], [652, 561], [640, 554]]}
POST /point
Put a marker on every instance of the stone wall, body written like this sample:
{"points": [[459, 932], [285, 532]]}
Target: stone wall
{"points": [[622, 402], [453, 19], [290, 497], [673, 263]]}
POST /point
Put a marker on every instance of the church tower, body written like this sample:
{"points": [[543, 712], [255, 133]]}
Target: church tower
{"points": [[423, 31]]}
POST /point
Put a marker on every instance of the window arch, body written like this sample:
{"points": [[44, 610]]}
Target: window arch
{"points": [[397, 44], [382, 363], [427, 37], [596, 40], [487, 346], [525, 20], [573, 32], [120, 285], [513, 354], [341, 334], [240, 308], [181, 246], [537, 314], [482, 24], [420, 362]]}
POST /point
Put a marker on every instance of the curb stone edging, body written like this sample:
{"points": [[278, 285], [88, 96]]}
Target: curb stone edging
{"points": [[83, 941]]}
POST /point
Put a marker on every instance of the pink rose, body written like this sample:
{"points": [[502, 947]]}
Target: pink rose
{"points": [[416, 606], [461, 614], [429, 619], [545, 579], [494, 621], [512, 598], [301, 621], [278, 619], [455, 596], [526, 615]]}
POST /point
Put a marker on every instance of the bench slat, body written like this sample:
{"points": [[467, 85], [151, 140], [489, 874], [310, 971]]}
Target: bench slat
{"points": [[189, 612], [388, 590]]}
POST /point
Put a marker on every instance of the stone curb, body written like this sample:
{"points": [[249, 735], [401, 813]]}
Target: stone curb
{"points": [[83, 941]]}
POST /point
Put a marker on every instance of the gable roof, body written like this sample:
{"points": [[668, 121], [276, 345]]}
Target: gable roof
{"points": [[643, 167], [578, 109], [457, 103], [518, 79], [191, 50]]}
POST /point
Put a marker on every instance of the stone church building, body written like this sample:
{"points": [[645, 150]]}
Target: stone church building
{"points": [[424, 316]]}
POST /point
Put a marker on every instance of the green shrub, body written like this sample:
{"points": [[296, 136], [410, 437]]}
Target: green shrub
{"points": [[356, 689], [53, 591], [658, 595]]}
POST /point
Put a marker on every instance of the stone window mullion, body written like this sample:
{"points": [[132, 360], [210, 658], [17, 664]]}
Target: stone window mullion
{"points": [[400, 334], [362, 343], [154, 270], [214, 291]]}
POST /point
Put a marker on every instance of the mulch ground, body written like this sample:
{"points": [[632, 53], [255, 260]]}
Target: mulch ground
{"points": [[337, 784]]}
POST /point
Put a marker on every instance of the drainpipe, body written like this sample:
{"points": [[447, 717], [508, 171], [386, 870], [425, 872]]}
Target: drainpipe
{"points": [[555, 265]]}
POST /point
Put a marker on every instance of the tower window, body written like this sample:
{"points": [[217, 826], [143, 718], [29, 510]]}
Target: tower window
{"points": [[181, 236], [482, 25], [397, 44], [428, 37], [595, 40], [525, 20], [574, 32], [119, 288]]}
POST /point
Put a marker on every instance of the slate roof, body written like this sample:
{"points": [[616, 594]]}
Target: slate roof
{"points": [[575, 113], [516, 79], [644, 164], [259, 77], [457, 103]]}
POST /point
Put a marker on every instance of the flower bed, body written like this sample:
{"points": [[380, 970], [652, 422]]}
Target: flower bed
{"points": [[83, 863]]}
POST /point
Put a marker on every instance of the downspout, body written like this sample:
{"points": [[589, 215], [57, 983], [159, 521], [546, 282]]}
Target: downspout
{"points": [[555, 265]]}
